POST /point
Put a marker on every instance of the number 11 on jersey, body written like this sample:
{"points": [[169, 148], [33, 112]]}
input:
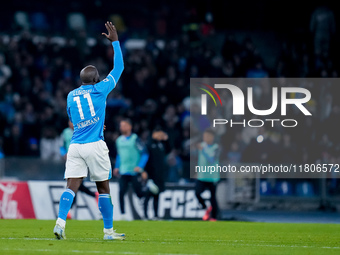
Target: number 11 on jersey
{"points": [[80, 109]]}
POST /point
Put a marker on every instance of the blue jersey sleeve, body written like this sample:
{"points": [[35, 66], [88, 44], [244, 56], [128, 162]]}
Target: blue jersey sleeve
{"points": [[68, 109], [117, 165], [143, 160], [144, 153], [109, 83]]}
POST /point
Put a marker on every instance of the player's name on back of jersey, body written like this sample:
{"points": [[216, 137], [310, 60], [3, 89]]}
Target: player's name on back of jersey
{"points": [[88, 122], [81, 92]]}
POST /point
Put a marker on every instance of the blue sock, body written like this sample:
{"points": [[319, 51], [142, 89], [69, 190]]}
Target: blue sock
{"points": [[106, 208], [66, 200]]}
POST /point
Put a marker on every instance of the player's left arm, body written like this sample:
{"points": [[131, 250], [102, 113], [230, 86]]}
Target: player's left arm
{"points": [[68, 109], [144, 156]]}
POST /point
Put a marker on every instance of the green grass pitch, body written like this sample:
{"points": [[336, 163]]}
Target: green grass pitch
{"points": [[170, 237]]}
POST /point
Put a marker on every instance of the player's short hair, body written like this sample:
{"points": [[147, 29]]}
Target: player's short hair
{"points": [[210, 131], [88, 74], [127, 120], [157, 128]]}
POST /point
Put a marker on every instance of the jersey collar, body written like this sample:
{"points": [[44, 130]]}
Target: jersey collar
{"points": [[86, 86]]}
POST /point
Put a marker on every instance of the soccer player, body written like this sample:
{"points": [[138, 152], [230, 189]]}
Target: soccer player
{"points": [[131, 159], [156, 169], [208, 155], [88, 152]]}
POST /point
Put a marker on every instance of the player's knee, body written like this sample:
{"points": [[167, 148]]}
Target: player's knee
{"points": [[103, 187], [103, 191]]}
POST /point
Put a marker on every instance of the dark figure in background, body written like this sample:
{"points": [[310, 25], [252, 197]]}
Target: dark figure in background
{"points": [[208, 155], [322, 26], [156, 169]]}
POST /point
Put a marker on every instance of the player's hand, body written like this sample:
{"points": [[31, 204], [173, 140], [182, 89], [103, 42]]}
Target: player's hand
{"points": [[116, 172], [165, 136], [199, 146], [137, 169], [144, 175], [104, 127], [112, 35]]}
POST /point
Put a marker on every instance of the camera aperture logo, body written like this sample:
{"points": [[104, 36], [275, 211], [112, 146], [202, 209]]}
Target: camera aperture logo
{"points": [[238, 105], [204, 98]]}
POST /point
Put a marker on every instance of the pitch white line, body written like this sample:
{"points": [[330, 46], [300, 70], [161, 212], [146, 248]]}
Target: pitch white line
{"points": [[27, 238], [231, 242], [91, 252], [290, 246]]}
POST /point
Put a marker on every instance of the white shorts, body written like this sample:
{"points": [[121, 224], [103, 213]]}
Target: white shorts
{"points": [[88, 157]]}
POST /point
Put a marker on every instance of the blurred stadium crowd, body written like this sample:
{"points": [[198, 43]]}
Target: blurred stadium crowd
{"points": [[36, 76]]}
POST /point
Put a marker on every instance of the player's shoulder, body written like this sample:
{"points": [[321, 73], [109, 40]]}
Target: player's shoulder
{"points": [[72, 92], [69, 96], [134, 136], [215, 146], [102, 84], [119, 138]]}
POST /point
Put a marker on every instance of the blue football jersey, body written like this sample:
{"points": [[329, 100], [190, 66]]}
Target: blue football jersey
{"points": [[86, 104]]}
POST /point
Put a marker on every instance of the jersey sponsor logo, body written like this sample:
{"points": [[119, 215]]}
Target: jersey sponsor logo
{"points": [[87, 123]]}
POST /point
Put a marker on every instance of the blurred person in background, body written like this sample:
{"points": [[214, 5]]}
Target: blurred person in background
{"points": [[208, 155], [50, 144], [14, 142], [322, 26], [175, 166], [5, 71], [156, 169], [234, 155], [131, 159]]}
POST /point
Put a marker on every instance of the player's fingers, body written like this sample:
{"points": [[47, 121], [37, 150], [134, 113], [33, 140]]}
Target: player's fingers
{"points": [[105, 35], [110, 29], [111, 26], [107, 24], [107, 27]]}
